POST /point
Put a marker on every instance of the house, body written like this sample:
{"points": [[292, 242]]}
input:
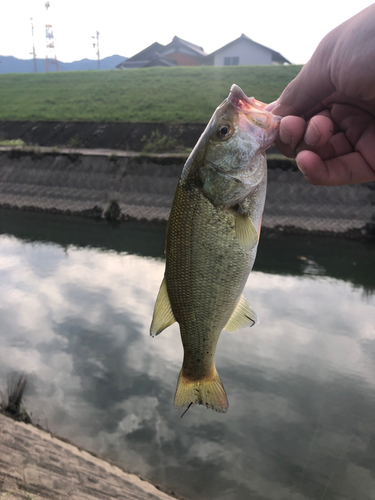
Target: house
{"points": [[177, 53], [144, 58], [243, 51]]}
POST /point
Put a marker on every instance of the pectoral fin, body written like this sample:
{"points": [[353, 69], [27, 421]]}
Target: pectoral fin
{"points": [[242, 316], [246, 232], [163, 314]]}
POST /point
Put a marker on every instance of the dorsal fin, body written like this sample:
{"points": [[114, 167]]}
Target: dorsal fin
{"points": [[246, 233], [242, 316], [163, 314]]}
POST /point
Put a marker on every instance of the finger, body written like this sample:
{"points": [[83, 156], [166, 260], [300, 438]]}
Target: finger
{"points": [[313, 84], [348, 169], [310, 87], [340, 145], [317, 137], [292, 129], [337, 98], [353, 121], [319, 130], [270, 106], [337, 146]]}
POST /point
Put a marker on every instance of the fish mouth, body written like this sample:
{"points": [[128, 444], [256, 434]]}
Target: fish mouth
{"points": [[253, 118]]}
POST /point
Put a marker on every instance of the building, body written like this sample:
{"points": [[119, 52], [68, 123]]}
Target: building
{"points": [[177, 53], [245, 52]]}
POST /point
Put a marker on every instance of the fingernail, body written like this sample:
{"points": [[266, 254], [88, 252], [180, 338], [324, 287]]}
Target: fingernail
{"points": [[285, 137], [312, 135]]}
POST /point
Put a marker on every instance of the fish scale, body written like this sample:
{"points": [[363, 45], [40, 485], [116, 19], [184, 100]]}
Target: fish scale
{"points": [[205, 278]]}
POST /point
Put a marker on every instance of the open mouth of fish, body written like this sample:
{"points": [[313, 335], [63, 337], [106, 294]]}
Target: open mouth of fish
{"points": [[262, 125]]}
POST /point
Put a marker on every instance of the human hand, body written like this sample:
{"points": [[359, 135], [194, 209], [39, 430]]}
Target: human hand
{"points": [[329, 108]]}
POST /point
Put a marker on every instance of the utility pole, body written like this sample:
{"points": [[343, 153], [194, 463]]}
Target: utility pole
{"points": [[33, 52], [96, 45], [50, 42]]}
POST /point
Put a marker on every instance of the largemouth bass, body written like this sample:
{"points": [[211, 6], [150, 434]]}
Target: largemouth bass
{"points": [[211, 242]]}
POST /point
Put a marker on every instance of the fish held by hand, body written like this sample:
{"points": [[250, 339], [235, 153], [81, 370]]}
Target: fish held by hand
{"points": [[211, 243]]}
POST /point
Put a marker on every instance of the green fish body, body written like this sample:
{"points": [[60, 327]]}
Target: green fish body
{"points": [[211, 242]]}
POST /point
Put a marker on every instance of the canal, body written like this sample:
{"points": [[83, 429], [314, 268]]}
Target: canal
{"points": [[76, 303]]}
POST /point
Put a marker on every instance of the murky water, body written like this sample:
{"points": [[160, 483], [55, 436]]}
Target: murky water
{"points": [[76, 303]]}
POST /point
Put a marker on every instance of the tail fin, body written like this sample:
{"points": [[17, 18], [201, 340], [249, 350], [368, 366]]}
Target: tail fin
{"points": [[208, 392]]}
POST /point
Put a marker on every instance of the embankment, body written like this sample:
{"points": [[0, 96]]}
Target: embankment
{"points": [[128, 185], [35, 464], [97, 135]]}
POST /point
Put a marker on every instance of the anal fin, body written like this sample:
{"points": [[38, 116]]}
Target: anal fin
{"points": [[242, 316], [163, 314]]}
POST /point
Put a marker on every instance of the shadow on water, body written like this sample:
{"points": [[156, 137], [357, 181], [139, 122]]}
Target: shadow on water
{"points": [[145, 239], [295, 255]]}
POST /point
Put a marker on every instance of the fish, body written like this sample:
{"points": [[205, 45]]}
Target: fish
{"points": [[211, 242]]}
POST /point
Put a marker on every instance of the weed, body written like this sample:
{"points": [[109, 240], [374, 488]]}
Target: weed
{"points": [[12, 401], [29, 497], [113, 212], [157, 143], [76, 142], [12, 142], [73, 157]]}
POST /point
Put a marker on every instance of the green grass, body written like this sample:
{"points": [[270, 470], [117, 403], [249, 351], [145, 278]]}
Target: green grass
{"points": [[176, 95], [13, 142]]}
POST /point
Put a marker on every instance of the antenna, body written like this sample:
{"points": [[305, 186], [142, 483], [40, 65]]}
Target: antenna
{"points": [[32, 36], [50, 42], [96, 45]]}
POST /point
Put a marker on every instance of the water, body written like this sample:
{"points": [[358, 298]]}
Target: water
{"points": [[76, 302]]}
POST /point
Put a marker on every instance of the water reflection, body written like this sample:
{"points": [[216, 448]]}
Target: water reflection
{"points": [[77, 297]]}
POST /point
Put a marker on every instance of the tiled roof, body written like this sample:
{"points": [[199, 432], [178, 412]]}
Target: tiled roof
{"points": [[142, 56], [179, 41]]}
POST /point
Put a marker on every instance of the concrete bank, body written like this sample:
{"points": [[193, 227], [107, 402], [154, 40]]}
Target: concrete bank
{"points": [[88, 182], [93, 135], [34, 462]]}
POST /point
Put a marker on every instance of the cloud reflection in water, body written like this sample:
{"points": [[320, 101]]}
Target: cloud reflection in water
{"points": [[300, 384]]}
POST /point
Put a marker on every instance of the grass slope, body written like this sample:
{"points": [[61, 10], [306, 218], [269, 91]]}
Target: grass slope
{"points": [[180, 94]]}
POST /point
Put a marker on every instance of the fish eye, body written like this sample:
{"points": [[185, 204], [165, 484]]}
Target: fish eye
{"points": [[224, 131]]}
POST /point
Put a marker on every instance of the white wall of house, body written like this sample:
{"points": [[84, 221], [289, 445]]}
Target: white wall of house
{"points": [[248, 53]]}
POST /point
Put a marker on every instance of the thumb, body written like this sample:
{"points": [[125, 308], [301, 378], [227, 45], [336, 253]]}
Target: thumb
{"points": [[310, 87]]}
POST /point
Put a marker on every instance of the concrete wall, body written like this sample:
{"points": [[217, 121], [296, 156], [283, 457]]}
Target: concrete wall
{"points": [[119, 136], [144, 186]]}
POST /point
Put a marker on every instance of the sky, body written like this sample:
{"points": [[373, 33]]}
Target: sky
{"points": [[291, 27]]}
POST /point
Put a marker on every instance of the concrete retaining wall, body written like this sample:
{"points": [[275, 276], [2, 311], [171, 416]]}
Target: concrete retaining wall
{"points": [[121, 136], [85, 182], [34, 462]]}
